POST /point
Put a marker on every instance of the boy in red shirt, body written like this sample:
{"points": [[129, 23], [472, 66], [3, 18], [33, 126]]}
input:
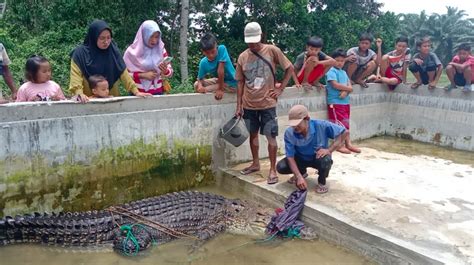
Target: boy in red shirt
{"points": [[460, 70]]}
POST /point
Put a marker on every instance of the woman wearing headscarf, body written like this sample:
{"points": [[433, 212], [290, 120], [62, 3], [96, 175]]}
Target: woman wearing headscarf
{"points": [[144, 59], [99, 55]]}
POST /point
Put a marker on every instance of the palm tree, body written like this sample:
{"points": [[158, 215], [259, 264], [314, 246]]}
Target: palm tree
{"points": [[411, 26], [447, 31]]}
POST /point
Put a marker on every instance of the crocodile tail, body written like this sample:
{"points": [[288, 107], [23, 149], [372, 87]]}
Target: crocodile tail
{"points": [[64, 229]]}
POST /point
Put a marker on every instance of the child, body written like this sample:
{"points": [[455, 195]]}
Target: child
{"points": [[425, 65], [311, 65], [460, 70], [393, 66], [39, 86], [99, 86], [361, 61], [338, 89], [216, 63]]}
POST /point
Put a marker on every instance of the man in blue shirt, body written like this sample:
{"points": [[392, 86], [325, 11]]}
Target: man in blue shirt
{"points": [[307, 145], [218, 65]]}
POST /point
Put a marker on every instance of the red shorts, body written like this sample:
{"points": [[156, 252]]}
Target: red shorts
{"points": [[339, 114], [317, 73], [390, 74]]}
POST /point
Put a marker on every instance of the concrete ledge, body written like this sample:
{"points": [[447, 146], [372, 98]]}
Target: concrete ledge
{"points": [[334, 227]]}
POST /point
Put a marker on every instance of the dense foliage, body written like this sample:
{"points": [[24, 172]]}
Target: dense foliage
{"points": [[53, 28]]}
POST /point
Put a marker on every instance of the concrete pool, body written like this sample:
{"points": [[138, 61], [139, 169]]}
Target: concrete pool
{"points": [[66, 156]]}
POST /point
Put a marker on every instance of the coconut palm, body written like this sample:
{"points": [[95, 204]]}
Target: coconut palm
{"points": [[447, 31]]}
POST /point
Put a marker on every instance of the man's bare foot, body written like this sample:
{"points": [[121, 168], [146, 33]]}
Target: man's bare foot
{"points": [[344, 150], [353, 149]]}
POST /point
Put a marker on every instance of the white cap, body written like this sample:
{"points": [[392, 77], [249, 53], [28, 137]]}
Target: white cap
{"points": [[253, 32]]}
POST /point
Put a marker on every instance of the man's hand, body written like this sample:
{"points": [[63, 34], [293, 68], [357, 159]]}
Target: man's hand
{"points": [[239, 111], [276, 93], [301, 183], [322, 153], [418, 61], [219, 94]]}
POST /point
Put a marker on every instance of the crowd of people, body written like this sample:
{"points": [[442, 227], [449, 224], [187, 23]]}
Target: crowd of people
{"points": [[98, 68]]}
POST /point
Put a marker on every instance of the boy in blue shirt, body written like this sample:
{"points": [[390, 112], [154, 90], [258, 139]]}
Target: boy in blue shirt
{"points": [[338, 89], [218, 65]]}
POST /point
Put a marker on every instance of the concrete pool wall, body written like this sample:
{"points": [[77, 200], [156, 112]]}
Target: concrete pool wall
{"points": [[45, 144]]}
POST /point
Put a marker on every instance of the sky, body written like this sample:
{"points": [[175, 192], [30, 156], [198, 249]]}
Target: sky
{"points": [[431, 6]]}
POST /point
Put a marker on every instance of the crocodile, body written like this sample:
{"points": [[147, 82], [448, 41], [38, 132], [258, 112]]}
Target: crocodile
{"points": [[187, 214]]}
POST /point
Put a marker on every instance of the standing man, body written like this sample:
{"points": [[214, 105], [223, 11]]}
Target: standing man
{"points": [[306, 145], [5, 72], [257, 94]]}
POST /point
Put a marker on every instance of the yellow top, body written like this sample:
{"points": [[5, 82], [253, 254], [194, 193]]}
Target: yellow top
{"points": [[78, 83]]}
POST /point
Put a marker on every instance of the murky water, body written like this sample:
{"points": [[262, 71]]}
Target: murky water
{"points": [[412, 148], [224, 249]]}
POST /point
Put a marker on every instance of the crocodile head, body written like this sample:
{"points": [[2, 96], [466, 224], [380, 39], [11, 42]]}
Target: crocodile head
{"points": [[247, 218], [250, 218]]}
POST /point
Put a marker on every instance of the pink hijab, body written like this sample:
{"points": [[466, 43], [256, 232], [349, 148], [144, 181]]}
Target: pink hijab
{"points": [[139, 57]]}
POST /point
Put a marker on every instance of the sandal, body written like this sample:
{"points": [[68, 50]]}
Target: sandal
{"points": [[415, 85], [320, 189], [272, 179], [292, 180], [248, 170], [431, 87]]}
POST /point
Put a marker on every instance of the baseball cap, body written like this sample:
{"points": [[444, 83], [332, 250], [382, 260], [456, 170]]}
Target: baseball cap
{"points": [[296, 114], [252, 32]]}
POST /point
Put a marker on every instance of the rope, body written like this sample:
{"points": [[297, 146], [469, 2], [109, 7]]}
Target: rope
{"points": [[141, 219], [131, 237]]}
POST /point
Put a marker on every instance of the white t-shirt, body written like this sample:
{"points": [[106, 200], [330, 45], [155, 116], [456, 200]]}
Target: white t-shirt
{"points": [[4, 60]]}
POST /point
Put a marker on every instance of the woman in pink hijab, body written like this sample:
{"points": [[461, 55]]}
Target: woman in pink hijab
{"points": [[144, 59]]}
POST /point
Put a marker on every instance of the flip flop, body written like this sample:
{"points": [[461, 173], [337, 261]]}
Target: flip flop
{"points": [[415, 85], [431, 87], [248, 170], [272, 180], [320, 189], [292, 180]]}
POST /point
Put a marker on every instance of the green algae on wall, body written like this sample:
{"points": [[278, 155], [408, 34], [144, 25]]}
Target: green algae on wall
{"points": [[131, 172]]}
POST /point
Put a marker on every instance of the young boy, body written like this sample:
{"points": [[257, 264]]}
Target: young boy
{"points": [[425, 65], [338, 89], [99, 86], [393, 66], [460, 70], [311, 65], [217, 64], [361, 61]]}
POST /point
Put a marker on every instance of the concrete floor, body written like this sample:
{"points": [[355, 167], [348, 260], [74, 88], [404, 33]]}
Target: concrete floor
{"points": [[422, 203]]}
